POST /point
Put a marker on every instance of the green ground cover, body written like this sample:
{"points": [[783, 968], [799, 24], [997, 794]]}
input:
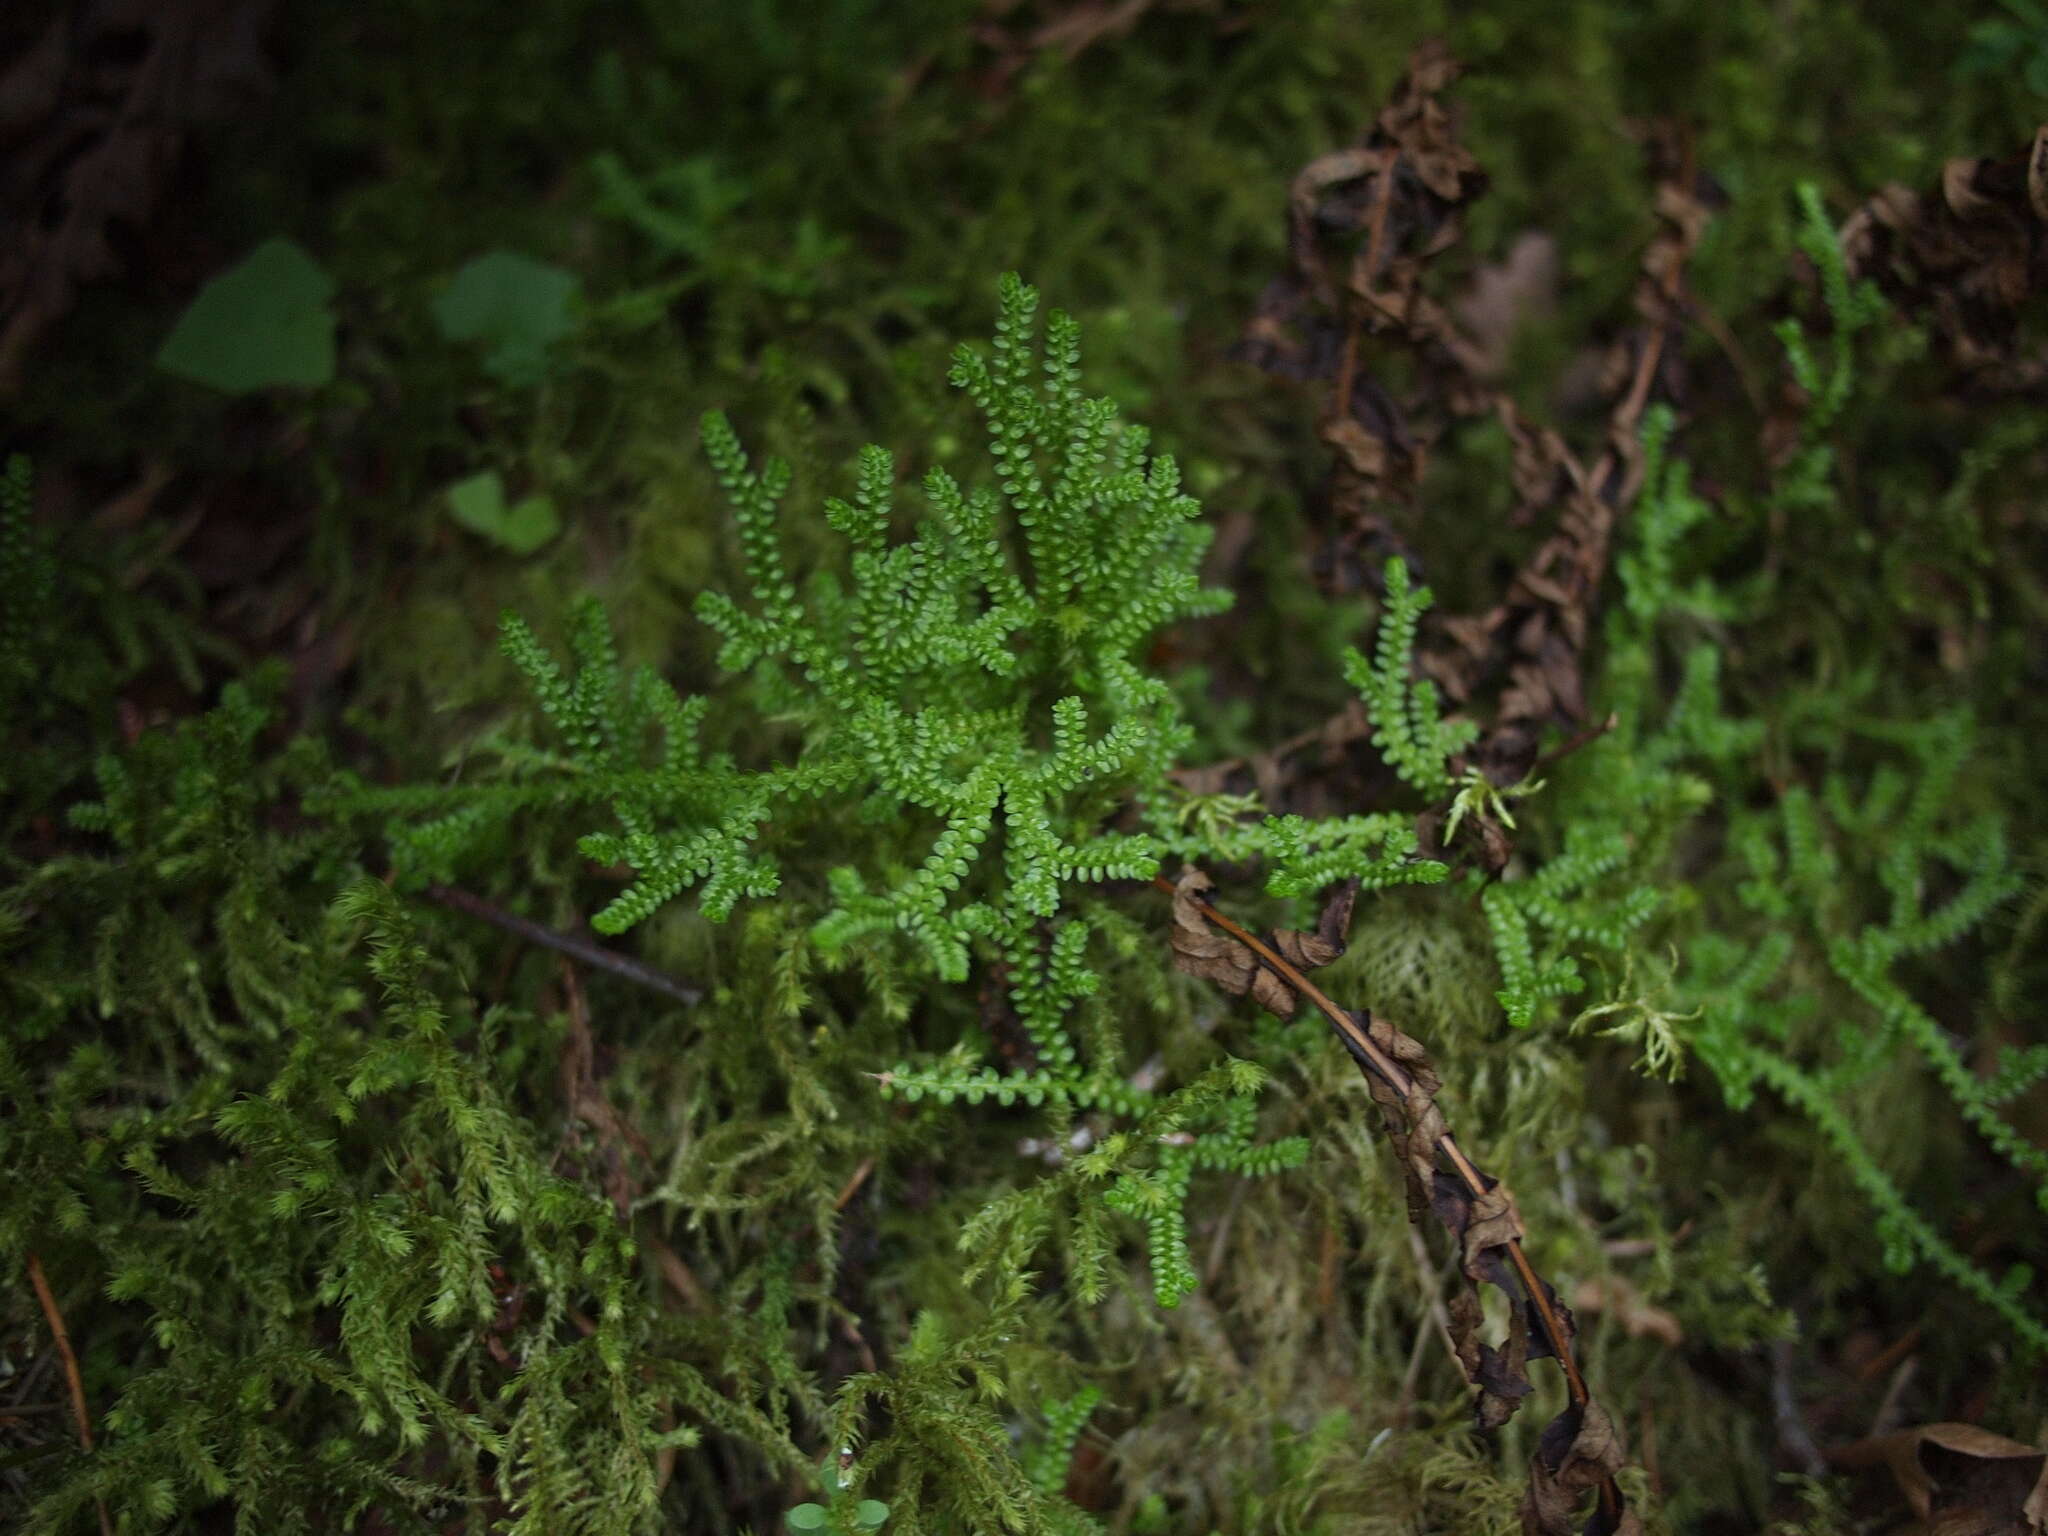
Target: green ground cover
{"points": [[607, 728]]}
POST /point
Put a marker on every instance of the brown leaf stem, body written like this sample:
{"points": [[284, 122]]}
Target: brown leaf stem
{"points": [[1372, 1058]]}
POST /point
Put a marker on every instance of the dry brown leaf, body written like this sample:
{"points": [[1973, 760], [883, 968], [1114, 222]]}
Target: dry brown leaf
{"points": [[1364, 452], [1965, 256], [1477, 1209], [1380, 211], [1579, 1449], [1396, 198], [1614, 1294], [1961, 1478], [1202, 949]]}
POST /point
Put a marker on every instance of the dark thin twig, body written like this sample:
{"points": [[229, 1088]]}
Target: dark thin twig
{"points": [[567, 943], [1367, 1050], [72, 1378], [1586, 737]]}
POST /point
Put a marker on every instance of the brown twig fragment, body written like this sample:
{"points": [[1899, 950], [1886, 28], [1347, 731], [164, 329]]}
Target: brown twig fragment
{"points": [[72, 1378], [852, 1186], [583, 1094]]}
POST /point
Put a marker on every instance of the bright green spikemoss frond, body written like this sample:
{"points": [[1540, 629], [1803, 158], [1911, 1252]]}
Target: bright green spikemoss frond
{"points": [[925, 681], [1837, 867], [1410, 734], [970, 697]]}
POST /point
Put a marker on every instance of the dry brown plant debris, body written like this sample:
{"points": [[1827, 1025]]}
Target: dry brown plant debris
{"points": [[1965, 254], [1960, 1480], [1366, 225], [1581, 1448]]}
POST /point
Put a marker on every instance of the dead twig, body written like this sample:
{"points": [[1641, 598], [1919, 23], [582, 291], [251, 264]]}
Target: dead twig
{"points": [[1439, 1314], [852, 1186], [72, 1378], [570, 944]]}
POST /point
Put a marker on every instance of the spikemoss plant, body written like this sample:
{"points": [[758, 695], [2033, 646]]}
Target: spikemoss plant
{"points": [[1838, 864], [980, 679]]}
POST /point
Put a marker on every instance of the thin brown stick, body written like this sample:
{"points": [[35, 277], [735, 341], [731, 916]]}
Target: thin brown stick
{"points": [[1382, 200], [1376, 232], [852, 1186], [1890, 1355], [1346, 371], [566, 943], [72, 1378], [681, 1278], [1623, 419], [1366, 1049], [1432, 1286]]}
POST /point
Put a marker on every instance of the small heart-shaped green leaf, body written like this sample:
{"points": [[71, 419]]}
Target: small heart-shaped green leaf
{"points": [[513, 304], [262, 322], [478, 503]]}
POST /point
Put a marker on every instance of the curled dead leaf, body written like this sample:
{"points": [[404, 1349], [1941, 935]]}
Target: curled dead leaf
{"points": [[1201, 949], [1579, 1449], [1964, 1477], [1963, 257]]}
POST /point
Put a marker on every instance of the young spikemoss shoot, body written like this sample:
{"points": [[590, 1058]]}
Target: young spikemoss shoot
{"points": [[1415, 741]]}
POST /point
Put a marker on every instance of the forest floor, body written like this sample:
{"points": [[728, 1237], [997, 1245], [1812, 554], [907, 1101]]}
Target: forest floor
{"points": [[333, 333]]}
